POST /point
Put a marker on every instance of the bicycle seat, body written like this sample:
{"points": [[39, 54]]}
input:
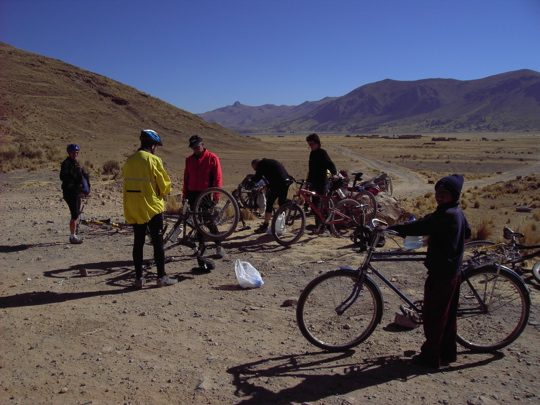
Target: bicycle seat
{"points": [[509, 234]]}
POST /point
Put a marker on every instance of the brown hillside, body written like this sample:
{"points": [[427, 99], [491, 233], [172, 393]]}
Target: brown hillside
{"points": [[46, 104]]}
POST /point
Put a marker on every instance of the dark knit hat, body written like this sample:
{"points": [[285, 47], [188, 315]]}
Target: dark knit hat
{"points": [[453, 183], [195, 140]]}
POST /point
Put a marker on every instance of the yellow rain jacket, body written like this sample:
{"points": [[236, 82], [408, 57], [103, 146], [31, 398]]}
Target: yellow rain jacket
{"points": [[145, 184]]}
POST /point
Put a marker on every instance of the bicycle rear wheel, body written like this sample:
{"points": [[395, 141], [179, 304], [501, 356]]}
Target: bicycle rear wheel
{"points": [[293, 217], [346, 217], [215, 213], [368, 200], [334, 314], [494, 306]]}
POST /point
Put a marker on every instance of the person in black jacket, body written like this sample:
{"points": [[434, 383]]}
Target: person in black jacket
{"points": [[72, 188], [319, 166], [447, 228], [278, 183]]}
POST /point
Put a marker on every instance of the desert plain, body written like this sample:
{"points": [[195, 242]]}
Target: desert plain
{"points": [[69, 338]]}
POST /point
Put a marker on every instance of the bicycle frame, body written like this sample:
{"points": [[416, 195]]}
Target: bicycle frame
{"points": [[304, 193]]}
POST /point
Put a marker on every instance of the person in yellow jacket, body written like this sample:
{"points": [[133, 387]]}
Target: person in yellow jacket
{"points": [[145, 184]]}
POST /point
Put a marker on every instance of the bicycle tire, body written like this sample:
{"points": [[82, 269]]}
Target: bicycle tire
{"points": [[295, 224], [317, 315], [505, 314], [215, 213], [246, 197], [342, 227], [367, 199]]}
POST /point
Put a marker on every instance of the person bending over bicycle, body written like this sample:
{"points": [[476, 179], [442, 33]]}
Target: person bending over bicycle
{"points": [[278, 183], [202, 171], [447, 228], [145, 184]]}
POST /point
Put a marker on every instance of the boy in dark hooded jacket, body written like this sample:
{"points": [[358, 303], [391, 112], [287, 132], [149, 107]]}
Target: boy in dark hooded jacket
{"points": [[447, 229]]}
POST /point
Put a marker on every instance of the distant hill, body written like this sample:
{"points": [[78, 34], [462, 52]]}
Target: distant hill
{"points": [[46, 103], [508, 102]]}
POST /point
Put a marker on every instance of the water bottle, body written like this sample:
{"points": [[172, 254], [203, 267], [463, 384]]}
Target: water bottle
{"points": [[413, 242], [177, 231]]}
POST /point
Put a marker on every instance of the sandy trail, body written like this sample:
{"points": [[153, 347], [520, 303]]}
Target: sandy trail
{"points": [[409, 184]]}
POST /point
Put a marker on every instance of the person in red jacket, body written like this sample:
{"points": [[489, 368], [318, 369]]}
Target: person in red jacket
{"points": [[202, 171]]}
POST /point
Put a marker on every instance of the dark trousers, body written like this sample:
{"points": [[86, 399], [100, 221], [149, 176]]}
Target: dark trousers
{"points": [[441, 297], [276, 192], [155, 226], [74, 203]]}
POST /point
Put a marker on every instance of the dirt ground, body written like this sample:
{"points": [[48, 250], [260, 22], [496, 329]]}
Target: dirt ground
{"points": [[74, 339]]}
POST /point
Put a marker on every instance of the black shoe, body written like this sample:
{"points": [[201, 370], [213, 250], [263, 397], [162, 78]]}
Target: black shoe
{"points": [[422, 360], [262, 229]]}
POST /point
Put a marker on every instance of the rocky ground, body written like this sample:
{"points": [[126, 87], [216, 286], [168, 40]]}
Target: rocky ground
{"points": [[90, 339]]}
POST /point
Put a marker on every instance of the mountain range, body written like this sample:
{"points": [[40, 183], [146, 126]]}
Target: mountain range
{"points": [[507, 102]]}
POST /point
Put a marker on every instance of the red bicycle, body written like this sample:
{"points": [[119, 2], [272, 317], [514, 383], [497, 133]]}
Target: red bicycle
{"points": [[289, 221]]}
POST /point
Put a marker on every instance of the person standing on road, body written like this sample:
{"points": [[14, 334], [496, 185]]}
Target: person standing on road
{"points": [[447, 228], [202, 171], [145, 184], [72, 177], [278, 183], [319, 166]]}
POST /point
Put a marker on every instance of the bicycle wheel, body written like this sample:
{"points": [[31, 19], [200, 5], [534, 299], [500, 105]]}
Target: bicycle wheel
{"points": [[346, 217], [334, 314], [494, 306], [215, 213], [247, 198], [368, 200], [288, 224]]}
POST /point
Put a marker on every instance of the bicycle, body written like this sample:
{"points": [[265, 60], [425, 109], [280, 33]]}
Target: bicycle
{"points": [[289, 221], [215, 215], [340, 309], [105, 224], [251, 199], [508, 253], [340, 190]]}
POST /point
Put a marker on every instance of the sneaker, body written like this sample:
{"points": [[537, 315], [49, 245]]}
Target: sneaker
{"points": [[262, 229], [75, 240], [166, 281], [139, 283], [220, 252]]}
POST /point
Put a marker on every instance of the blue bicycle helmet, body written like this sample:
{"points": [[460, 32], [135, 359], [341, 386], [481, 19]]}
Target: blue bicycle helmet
{"points": [[72, 147], [148, 135]]}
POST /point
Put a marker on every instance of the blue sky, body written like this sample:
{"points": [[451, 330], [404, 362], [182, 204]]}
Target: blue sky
{"points": [[200, 55]]}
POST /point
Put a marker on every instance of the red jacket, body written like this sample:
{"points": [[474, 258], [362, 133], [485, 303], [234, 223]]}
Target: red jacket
{"points": [[202, 172]]}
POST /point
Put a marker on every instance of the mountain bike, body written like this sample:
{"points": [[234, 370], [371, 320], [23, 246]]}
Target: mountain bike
{"points": [[215, 215], [249, 198], [341, 190], [104, 224], [289, 220], [511, 254], [340, 309]]}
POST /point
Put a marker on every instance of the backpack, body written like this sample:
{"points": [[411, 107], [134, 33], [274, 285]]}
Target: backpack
{"points": [[85, 181]]}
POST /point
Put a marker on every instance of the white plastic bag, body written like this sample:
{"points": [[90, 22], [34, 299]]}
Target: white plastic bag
{"points": [[247, 275], [280, 224]]}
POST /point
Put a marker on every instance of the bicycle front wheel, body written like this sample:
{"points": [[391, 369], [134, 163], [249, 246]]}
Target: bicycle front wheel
{"points": [[494, 306], [346, 217], [474, 248], [368, 201], [335, 314], [215, 213], [288, 224]]}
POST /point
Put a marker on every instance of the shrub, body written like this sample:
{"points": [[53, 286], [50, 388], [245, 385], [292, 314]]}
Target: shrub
{"points": [[483, 230], [112, 168]]}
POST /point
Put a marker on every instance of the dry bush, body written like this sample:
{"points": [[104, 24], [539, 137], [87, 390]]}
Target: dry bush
{"points": [[28, 155], [483, 230], [247, 214], [112, 168], [172, 205], [531, 232]]}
